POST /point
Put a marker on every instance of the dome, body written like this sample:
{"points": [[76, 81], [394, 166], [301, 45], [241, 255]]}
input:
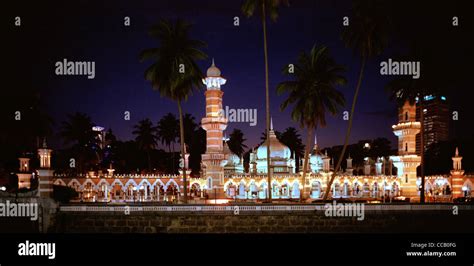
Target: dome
{"points": [[316, 158], [277, 149], [232, 158], [213, 71]]}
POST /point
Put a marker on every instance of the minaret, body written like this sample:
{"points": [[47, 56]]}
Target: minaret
{"points": [[457, 175], [407, 160], [45, 174], [214, 123]]}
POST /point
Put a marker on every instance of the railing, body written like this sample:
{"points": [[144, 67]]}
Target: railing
{"points": [[247, 208]]}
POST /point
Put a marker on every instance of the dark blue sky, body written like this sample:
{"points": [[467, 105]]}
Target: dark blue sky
{"points": [[87, 31]]}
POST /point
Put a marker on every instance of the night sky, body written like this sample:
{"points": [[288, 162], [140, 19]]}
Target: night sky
{"points": [[94, 31]]}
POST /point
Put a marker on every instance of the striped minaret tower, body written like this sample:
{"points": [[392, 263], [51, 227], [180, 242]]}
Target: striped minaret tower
{"points": [[407, 160], [45, 174], [457, 175], [214, 123]]}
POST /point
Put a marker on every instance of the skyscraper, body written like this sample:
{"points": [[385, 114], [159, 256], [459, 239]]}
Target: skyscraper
{"points": [[436, 121]]}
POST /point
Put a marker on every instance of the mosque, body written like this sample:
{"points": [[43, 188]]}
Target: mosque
{"points": [[224, 177]]}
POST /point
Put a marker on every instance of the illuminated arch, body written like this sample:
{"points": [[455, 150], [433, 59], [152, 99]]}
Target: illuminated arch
{"points": [[59, 182], [157, 182], [130, 182], [143, 182], [88, 181], [227, 184], [172, 181], [74, 183], [467, 186], [428, 186], [117, 182], [101, 182]]}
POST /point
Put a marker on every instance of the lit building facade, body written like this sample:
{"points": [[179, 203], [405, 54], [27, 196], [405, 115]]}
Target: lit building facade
{"points": [[224, 178], [436, 120]]}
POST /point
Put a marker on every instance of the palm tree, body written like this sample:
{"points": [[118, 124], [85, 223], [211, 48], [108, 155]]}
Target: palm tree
{"points": [[236, 142], [291, 138], [190, 127], [367, 36], [167, 130], [312, 92], [146, 138], [175, 73], [77, 130], [269, 7]]}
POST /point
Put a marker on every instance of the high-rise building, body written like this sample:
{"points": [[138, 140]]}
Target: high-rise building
{"points": [[436, 120]]}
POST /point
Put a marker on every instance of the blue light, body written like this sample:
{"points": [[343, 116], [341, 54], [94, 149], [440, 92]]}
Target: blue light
{"points": [[443, 98], [429, 97]]}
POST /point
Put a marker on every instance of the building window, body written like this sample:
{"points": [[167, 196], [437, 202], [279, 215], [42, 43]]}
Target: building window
{"points": [[406, 146], [406, 116]]}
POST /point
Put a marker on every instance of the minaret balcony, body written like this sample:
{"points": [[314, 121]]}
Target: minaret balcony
{"points": [[407, 125]]}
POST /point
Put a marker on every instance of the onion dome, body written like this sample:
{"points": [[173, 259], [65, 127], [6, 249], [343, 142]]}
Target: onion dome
{"points": [[213, 71], [277, 149]]}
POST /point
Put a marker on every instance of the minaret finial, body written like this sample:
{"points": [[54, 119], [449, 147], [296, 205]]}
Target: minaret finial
{"points": [[44, 143], [271, 123], [457, 152], [213, 62]]}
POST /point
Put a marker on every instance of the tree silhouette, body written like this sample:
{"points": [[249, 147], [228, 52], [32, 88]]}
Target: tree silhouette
{"points": [[312, 93], [146, 138], [236, 142], [174, 72]]}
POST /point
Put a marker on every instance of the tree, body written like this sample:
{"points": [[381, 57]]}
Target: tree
{"points": [[196, 149], [190, 127], [175, 73], [146, 138], [236, 142], [291, 138], [367, 36], [77, 130], [312, 92], [167, 130], [109, 150], [269, 7]]}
